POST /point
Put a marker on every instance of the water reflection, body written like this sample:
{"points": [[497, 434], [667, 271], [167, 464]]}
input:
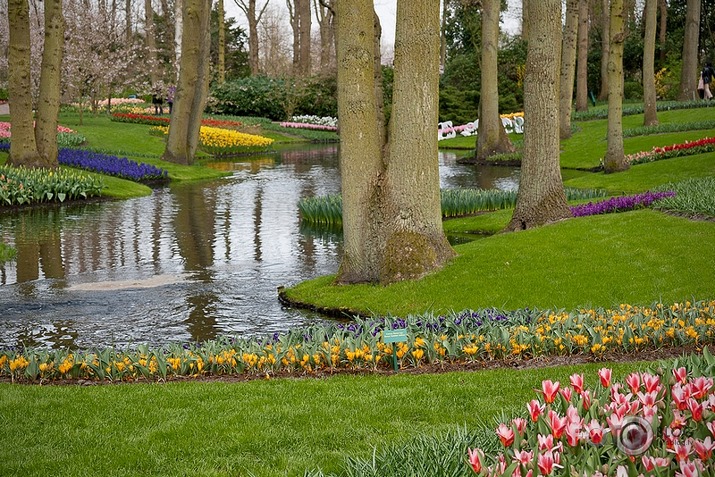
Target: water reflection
{"points": [[189, 263]]}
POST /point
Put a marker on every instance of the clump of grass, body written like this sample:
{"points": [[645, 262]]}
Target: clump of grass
{"points": [[668, 128], [693, 196], [328, 209], [629, 110]]}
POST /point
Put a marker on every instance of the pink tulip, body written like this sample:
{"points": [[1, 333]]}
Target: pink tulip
{"points": [[688, 469], [700, 386], [520, 424], [524, 457], [711, 427], [557, 424], [704, 448], [550, 390], [604, 375], [651, 383], [577, 382], [595, 431], [506, 435], [682, 451], [566, 393], [573, 434], [572, 416], [586, 399], [615, 423], [476, 456], [633, 381], [535, 409], [680, 396], [649, 398], [546, 463], [651, 463], [680, 375], [546, 443], [696, 409]]}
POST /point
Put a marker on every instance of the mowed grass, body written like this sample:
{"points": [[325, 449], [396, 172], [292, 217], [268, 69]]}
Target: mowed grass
{"points": [[262, 428]]}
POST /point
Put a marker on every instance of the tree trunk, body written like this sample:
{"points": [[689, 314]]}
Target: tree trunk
{"points": [[391, 200], [615, 159], [662, 29], [568, 68], [128, 21], [541, 198], [150, 43], [582, 63], [221, 44], [48, 106], [178, 35], [305, 22], [524, 18], [491, 137], [324, 13], [23, 148], [650, 116], [294, 19], [689, 74], [605, 35], [192, 87], [360, 139]]}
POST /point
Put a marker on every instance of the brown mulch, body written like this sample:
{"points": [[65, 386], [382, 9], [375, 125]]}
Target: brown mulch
{"points": [[518, 364]]}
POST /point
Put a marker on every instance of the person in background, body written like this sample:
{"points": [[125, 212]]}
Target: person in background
{"points": [[170, 92], [157, 99], [707, 74]]}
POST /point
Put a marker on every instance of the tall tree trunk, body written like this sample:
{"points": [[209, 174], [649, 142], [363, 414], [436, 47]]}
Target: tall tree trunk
{"points": [[391, 200], [23, 148], [294, 20], [324, 13], [605, 46], [689, 73], [48, 106], [221, 43], [178, 35], [443, 37], [650, 116], [491, 137], [568, 68], [541, 198], [662, 29], [150, 43], [253, 17], [582, 63], [524, 19], [360, 139], [305, 22], [192, 86], [615, 159]]}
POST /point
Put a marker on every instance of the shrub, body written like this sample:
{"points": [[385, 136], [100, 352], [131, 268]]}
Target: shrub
{"points": [[633, 90]]}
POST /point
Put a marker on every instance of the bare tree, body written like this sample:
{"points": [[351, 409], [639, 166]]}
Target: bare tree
{"points": [[615, 159], [275, 59], [689, 73], [650, 116], [300, 21], [568, 68], [325, 13], [491, 138], [253, 17], [582, 62], [541, 198], [150, 43]]}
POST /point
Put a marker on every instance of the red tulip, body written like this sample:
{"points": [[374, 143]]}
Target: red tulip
{"points": [[604, 375], [546, 463], [680, 375], [506, 435], [476, 456], [577, 382], [550, 390], [633, 381], [535, 409]]}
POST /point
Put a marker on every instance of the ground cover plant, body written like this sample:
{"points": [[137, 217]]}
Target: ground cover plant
{"points": [[112, 165], [20, 186]]}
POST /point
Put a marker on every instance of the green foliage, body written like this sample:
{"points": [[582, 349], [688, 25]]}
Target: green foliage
{"points": [[669, 128], [20, 186], [633, 109], [70, 139], [633, 90], [235, 53], [7, 253], [458, 106], [275, 98], [3, 94], [694, 196]]}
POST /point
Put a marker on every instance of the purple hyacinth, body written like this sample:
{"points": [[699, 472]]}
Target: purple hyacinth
{"points": [[616, 204], [111, 165]]}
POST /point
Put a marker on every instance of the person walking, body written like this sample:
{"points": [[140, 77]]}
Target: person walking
{"points": [[707, 74]]}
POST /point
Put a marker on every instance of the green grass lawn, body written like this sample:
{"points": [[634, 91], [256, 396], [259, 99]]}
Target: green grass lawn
{"points": [[261, 428]]}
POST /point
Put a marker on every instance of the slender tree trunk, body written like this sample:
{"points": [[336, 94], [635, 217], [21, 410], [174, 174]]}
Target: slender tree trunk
{"points": [[324, 13], [650, 116], [178, 34], [524, 18], [689, 73], [48, 106], [192, 86], [541, 198], [568, 68], [615, 159], [582, 63], [221, 43], [605, 35], [305, 22], [662, 29], [23, 148], [128, 21], [294, 19], [491, 137], [150, 42]]}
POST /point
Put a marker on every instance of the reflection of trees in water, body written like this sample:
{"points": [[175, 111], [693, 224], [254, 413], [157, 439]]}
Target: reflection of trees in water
{"points": [[56, 335], [194, 226], [39, 246]]}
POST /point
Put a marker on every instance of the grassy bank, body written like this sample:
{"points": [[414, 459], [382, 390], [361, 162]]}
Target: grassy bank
{"points": [[260, 428]]}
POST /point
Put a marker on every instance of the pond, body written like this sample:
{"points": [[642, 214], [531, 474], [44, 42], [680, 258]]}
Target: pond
{"points": [[191, 262]]}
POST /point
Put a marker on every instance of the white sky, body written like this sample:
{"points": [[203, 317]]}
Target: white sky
{"points": [[386, 11]]}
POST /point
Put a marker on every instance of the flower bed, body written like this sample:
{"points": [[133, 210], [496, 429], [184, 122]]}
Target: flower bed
{"points": [[619, 204], [20, 186], [66, 137], [687, 148], [654, 424], [321, 127], [139, 118], [469, 336], [112, 165], [225, 142]]}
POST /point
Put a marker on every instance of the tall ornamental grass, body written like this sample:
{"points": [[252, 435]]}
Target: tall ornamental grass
{"points": [[464, 337], [20, 186], [455, 203]]}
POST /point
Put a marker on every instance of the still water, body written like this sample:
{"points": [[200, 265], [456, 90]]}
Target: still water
{"points": [[191, 262]]}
